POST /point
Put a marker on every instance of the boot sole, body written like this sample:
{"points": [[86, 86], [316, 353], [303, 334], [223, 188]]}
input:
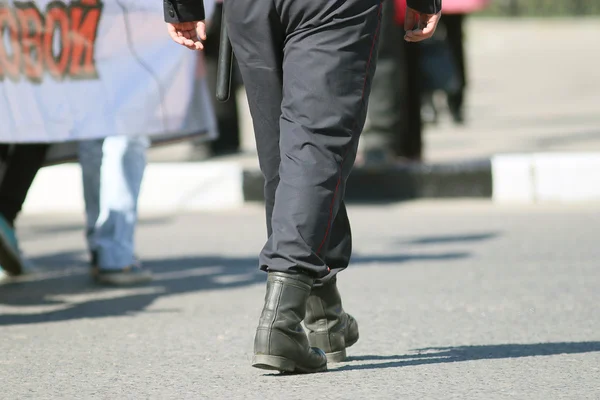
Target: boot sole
{"points": [[340, 356], [337, 356], [275, 363]]}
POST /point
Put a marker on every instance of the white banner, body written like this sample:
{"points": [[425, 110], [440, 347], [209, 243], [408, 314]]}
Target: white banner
{"points": [[87, 69]]}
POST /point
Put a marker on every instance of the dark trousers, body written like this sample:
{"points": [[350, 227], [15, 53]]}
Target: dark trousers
{"points": [[394, 108], [19, 165], [307, 67], [454, 27]]}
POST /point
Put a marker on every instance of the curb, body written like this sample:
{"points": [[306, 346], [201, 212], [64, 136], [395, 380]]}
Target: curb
{"points": [[404, 182], [167, 187], [546, 177], [205, 186]]}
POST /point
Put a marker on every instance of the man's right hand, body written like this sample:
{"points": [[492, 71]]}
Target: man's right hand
{"points": [[425, 25], [188, 34]]}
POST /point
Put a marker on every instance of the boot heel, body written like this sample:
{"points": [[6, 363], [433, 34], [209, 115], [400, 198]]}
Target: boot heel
{"points": [[337, 356], [273, 363], [329, 326], [280, 343]]}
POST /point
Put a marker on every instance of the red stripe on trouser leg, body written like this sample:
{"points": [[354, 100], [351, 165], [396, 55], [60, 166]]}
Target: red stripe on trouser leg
{"points": [[362, 100]]}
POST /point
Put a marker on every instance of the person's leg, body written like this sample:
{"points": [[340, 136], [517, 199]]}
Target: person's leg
{"points": [[21, 166], [455, 36], [322, 115], [257, 37], [4, 151], [329, 327], [455, 30], [318, 146], [388, 103], [111, 193], [90, 160], [21, 163], [339, 251], [261, 69], [410, 143]]}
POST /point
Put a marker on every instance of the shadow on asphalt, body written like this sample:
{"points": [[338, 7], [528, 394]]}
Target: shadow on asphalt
{"points": [[448, 239], [66, 274], [43, 228], [467, 353]]}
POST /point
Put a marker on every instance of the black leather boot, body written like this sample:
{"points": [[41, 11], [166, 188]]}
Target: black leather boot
{"points": [[330, 328], [280, 343]]}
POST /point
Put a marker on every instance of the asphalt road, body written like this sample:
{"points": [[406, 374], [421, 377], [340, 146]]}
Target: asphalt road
{"points": [[455, 300]]}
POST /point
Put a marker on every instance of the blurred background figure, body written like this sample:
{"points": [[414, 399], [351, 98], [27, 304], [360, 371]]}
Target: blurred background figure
{"points": [[407, 78], [112, 166], [443, 63], [393, 129], [19, 165], [112, 170]]}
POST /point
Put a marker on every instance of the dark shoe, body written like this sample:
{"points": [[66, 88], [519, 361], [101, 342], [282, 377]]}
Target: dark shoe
{"points": [[280, 343], [329, 327], [458, 117], [455, 105], [130, 275], [10, 255]]}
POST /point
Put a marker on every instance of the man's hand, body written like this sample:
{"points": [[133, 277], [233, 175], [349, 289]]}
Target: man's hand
{"points": [[425, 25], [188, 34]]}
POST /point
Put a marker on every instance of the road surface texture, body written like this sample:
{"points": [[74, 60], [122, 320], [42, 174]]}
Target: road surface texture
{"points": [[455, 300]]}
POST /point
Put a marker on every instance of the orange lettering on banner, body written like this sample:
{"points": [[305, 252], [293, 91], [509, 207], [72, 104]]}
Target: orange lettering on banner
{"points": [[32, 27], [57, 28], [10, 59], [85, 18], [61, 41]]}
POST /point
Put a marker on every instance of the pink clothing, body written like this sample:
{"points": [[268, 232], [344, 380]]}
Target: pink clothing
{"points": [[448, 7], [463, 6]]}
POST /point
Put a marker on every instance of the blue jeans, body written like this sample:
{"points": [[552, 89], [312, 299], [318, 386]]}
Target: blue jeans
{"points": [[112, 171]]}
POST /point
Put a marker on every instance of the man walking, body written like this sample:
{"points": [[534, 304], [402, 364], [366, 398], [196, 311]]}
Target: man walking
{"points": [[307, 67]]}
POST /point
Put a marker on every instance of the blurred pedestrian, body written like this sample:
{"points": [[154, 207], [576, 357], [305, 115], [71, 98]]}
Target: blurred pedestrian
{"points": [[19, 164], [448, 51], [393, 129], [455, 12], [307, 68], [113, 167], [112, 170], [438, 72]]}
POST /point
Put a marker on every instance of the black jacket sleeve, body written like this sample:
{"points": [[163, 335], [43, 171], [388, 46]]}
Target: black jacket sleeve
{"points": [[425, 6], [183, 10]]}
